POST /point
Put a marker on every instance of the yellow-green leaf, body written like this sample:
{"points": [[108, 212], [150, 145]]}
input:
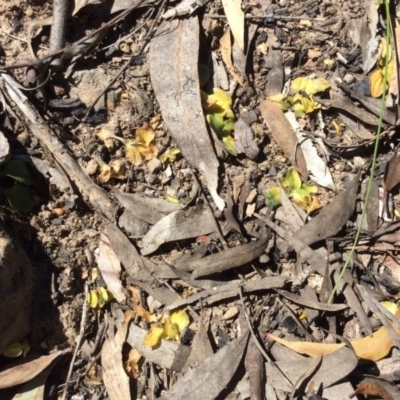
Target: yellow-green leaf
{"points": [[180, 318], [291, 180], [93, 299], [13, 350], [309, 85], [144, 136], [376, 83], [171, 330], [229, 143], [301, 198], [309, 188], [221, 100], [170, 156], [172, 199], [273, 198], [153, 336]]}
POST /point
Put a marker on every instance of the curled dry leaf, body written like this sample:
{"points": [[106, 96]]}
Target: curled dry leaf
{"points": [[115, 378], [226, 52], [116, 169]]}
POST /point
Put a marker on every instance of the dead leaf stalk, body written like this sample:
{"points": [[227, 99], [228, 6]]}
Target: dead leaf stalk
{"points": [[79, 339], [257, 343]]}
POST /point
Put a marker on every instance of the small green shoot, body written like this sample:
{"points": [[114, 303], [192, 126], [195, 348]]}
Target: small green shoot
{"points": [[300, 193]]}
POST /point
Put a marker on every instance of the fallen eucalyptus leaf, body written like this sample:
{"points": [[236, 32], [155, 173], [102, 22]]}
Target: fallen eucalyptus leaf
{"points": [[174, 48]]}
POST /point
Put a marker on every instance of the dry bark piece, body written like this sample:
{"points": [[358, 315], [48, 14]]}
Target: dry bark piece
{"points": [[228, 259], [92, 194], [312, 304], [316, 165], [244, 140], [208, 379], [283, 134], [235, 16], [375, 106], [209, 296], [372, 386], [175, 48], [254, 364], [334, 367], [178, 225], [332, 217], [115, 378]]}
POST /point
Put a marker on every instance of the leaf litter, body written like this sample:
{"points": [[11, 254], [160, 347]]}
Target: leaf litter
{"points": [[215, 166]]}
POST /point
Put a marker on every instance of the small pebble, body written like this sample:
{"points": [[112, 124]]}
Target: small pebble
{"points": [[348, 78], [91, 167], [264, 258], [151, 179], [154, 165], [24, 139]]}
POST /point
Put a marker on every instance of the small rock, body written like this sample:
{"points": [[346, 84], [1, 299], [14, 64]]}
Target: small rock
{"points": [[264, 258], [232, 312], [361, 88], [151, 179], [249, 117], [154, 165], [348, 78], [24, 139], [92, 167]]}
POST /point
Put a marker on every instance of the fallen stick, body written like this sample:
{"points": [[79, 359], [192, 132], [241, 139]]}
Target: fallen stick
{"points": [[95, 197]]}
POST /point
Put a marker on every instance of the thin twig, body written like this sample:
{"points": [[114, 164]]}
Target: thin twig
{"points": [[127, 65], [107, 25], [258, 345], [78, 342], [58, 29]]}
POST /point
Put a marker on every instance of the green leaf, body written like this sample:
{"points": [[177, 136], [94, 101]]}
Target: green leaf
{"points": [[229, 143], [273, 198], [18, 170], [291, 180], [229, 126], [216, 122], [19, 198]]}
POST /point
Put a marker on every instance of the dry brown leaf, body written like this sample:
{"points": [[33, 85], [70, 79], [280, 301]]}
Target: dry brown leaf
{"points": [[110, 268], [178, 225], [371, 348], [235, 17], [116, 170], [226, 52], [26, 370], [283, 134], [208, 379], [174, 48], [115, 378], [372, 389]]}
